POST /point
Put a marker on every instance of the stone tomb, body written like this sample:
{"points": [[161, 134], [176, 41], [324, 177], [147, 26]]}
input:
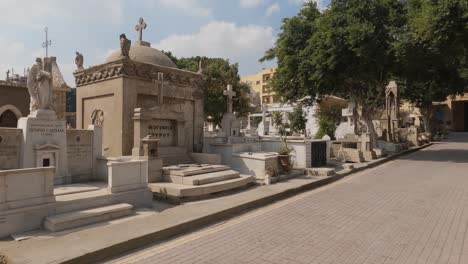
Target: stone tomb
{"points": [[45, 143], [198, 180], [137, 92]]}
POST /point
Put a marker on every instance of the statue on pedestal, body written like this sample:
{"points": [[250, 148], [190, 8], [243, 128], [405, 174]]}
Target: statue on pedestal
{"points": [[124, 46], [39, 85], [79, 60]]}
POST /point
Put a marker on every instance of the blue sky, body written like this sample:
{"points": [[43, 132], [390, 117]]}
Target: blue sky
{"points": [[239, 30]]}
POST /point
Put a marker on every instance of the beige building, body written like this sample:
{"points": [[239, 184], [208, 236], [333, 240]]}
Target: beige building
{"points": [[14, 102], [453, 113], [260, 83]]}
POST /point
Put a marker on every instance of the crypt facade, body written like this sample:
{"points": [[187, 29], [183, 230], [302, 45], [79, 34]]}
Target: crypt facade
{"points": [[139, 91]]}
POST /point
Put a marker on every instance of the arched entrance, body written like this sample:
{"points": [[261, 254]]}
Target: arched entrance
{"points": [[8, 119], [9, 116]]}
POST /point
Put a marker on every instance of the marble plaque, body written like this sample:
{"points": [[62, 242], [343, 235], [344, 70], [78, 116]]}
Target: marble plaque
{"points": [[80, 151], [164, 130]]}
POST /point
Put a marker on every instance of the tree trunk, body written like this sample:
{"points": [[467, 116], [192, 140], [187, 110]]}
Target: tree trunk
{"points": [[428, 114], [367, 117]]}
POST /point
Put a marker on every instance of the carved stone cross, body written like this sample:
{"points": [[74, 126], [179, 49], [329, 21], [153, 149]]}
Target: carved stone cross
{"points": [[159, 84], [139, 27], [229, 93]]}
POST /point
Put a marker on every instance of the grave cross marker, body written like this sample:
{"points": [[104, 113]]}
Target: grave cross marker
{"points": [[47, 42], [139, 27], [229, 93]]}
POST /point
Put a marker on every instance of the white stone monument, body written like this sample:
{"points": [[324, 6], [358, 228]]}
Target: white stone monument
{"points": [[229, 122], [44, 136]]}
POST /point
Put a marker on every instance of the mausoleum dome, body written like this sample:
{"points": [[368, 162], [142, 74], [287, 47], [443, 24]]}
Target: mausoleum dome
{"points": [[145, 54]]}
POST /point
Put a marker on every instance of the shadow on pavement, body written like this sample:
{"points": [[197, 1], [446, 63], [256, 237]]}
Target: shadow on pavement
{"points": [[441, 155]]}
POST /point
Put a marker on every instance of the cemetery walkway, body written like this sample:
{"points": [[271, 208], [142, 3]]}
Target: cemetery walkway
{"points": [[411, 210]]}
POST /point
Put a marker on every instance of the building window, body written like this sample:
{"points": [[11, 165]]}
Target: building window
{"points": [[257, 83], [266, 99], [266, 77], [265, 89]]}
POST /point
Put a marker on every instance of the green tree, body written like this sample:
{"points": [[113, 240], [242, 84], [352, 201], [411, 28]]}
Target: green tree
{"points": [[328, 116], [297, 119], [277, 118], [432, 52], [218, 74], [345, 51]]}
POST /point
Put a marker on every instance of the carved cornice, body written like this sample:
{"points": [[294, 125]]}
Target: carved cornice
{"points": [[132, 69]]}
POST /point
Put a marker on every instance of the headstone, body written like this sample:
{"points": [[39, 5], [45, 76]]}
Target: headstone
{"points": [[229, 123], [44, 136], [392, 106]]}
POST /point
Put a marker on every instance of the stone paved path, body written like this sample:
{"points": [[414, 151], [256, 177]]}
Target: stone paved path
{"points": [[411, 210]]}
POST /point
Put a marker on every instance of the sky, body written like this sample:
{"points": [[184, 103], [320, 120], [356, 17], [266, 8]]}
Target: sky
{"points": [[238, 30]]}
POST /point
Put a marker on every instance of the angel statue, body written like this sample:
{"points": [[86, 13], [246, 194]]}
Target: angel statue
{"points": [[124, 45], [79, 60], [39, 84]]}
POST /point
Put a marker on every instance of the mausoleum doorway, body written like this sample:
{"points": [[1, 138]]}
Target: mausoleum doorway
{"points": [[9, 116]]}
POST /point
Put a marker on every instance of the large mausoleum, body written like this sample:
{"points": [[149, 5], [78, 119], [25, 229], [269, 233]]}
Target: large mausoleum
{"points": [[139, 91]]}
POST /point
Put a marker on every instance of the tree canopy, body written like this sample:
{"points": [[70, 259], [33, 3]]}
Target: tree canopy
{"points": [[355, 47], [432, 51], [218, 74]]}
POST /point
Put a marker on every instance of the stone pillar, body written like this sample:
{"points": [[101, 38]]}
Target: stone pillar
{"points": [[97, 146]]}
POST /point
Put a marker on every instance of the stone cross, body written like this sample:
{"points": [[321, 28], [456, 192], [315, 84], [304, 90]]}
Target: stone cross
{"points": [[139, 27], [47, 42], [229, 93], [264, 111], [159, 84]]}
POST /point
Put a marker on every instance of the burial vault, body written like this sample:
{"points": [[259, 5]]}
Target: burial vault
{"points": [[139, 91]]}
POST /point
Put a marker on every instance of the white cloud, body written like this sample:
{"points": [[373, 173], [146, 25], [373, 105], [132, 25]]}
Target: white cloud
{"points": [[33, 13], [322, 4], [274, 8], [193, 7], [243, 44], [250, 3]]}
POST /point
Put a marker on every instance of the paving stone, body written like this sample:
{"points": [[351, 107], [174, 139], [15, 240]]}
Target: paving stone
{"points": [[411, 210]]}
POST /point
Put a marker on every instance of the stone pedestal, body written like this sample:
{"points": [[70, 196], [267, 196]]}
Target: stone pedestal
{"points": [[45, 143]]}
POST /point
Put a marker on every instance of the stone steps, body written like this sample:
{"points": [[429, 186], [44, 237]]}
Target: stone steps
{"points": [[174, 190], [202, 179], [192, 171], [85, 217]]}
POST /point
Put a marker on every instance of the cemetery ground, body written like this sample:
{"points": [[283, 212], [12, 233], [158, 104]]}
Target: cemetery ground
{"points": [[410, 210], [334, 211]]}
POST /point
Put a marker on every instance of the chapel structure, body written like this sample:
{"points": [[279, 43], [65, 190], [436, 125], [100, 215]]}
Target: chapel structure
{"points": [[139, 91]]}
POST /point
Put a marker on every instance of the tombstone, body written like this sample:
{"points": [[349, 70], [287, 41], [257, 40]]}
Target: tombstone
{"points": [[346, 127], [264, 125], [44, 135], [229, 124], [390, 119]]}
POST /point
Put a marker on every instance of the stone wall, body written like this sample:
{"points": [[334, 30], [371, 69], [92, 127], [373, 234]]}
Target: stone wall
{"points": [[10, 148], [80, 154]]}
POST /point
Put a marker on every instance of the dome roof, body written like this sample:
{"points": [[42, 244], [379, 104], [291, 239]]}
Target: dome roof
{"points": [[144, 54]]}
